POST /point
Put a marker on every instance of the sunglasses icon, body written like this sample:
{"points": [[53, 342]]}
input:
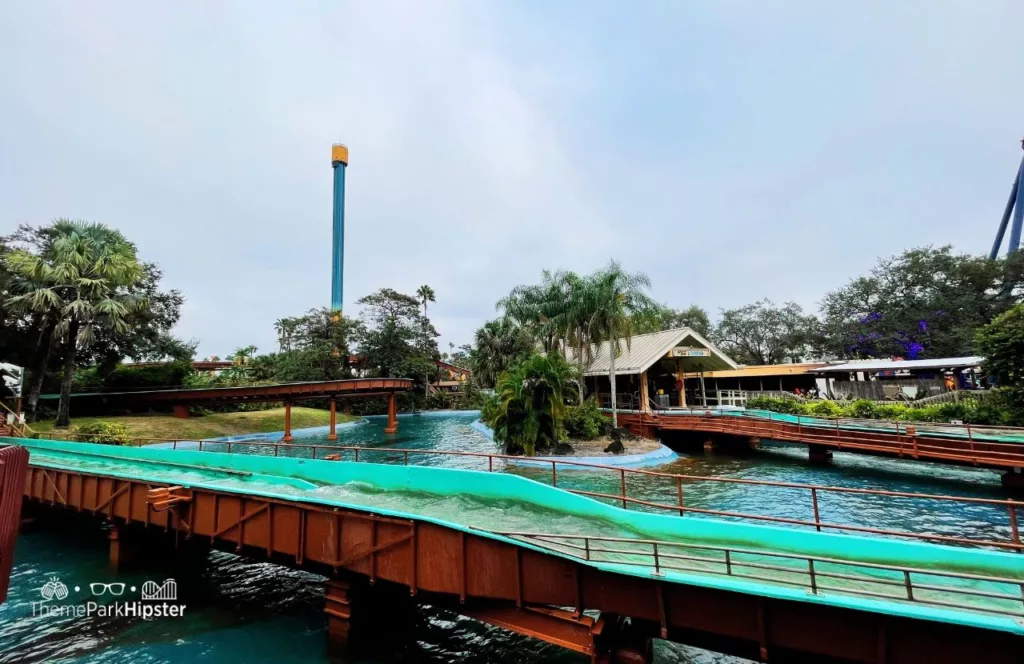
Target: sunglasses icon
{"points": [[115, 589]]}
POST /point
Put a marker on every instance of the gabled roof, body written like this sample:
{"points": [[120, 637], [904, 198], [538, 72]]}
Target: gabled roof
{"points": [[906, 365], [644, 350]]}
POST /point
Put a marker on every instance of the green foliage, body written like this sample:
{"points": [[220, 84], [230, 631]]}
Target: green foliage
{"points": [[395, 338], [529, 404], [666, 318], [585, 421], [109, 433], [926, 302], [499, 344], [1002, 344], [776, 405], [1002, 408], [128, 377], [824, 409], [81, 278], [762, 333]]}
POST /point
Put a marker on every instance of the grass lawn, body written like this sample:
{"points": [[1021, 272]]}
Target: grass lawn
{"points": [[160, 425]]}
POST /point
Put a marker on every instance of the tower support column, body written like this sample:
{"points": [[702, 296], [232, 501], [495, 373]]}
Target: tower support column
{"points": [[339, 162]]}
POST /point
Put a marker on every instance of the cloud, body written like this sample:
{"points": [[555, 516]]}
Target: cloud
{"points": [[730, 151]]}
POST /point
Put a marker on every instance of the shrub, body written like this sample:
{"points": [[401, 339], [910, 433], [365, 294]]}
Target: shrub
{"points": [[862, 409], [776, 405], [824, 409], [585, 421], [109, 433]]}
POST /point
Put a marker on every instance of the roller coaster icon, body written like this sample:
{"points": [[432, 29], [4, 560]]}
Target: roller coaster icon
{"points": [[168, 591]]}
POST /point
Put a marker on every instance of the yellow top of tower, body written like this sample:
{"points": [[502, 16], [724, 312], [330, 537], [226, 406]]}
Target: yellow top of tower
{"points": [[339, 153]]}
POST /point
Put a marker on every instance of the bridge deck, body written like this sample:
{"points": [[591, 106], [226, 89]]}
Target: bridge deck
{"points": [[992, 447], [327, 389], [643, 556]]}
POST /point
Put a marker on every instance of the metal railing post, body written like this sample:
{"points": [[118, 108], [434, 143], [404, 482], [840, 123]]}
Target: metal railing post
{"points": [[814, 503], [1014, 528], [679, 494], [622, 486]]}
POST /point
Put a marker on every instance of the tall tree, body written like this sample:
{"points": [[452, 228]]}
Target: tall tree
{"points": [[497, 346], [665, 318], [425, 294], [1002, 344], [618, 299], [396, 339], [762, 333], [86, 278], [926, 302], [315, 346], [537, 308]]}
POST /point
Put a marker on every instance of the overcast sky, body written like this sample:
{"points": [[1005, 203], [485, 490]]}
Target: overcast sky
{"points": [[732, 150]]}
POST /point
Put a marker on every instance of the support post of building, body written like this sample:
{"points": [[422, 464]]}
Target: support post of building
{"points": [[287, 422], [392, 426], [338, 607], [181, 410], [332, 434], [645, 399], [703, 393]]}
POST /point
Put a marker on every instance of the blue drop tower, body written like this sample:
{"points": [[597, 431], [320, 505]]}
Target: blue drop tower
{"points": [[339, 162]]}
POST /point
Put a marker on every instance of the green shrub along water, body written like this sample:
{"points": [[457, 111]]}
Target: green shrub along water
{"points": [[110, 433], [1001, 408]]}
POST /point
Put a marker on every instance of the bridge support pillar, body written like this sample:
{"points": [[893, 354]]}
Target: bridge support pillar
{"points": [[819, 455], [1013, 479], [121, 550], [181, 410], [287, 423], [338, 607], [392, 426], [346, 406], [332, 433]]}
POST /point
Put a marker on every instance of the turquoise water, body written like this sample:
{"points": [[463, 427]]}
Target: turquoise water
{"points": [[244, 611]]}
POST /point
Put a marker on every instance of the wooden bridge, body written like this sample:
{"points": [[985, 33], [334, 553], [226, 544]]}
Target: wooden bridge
{"points": [[998, 448]]}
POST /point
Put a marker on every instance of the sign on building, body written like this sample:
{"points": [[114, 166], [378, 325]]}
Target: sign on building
{"points": [[689, 351]]}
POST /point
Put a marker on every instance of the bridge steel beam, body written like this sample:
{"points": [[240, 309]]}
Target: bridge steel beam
{"points": [[475, 571]]}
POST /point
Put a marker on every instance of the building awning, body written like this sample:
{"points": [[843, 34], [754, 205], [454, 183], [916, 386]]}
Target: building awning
{"points": [[694, 352], [904, 365], [765, 370]]}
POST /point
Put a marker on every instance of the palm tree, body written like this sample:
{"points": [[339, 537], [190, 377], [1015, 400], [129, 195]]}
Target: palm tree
{"points": [[497, 345], [618, 297], [530, 401], [538, 308], [82, 279], [426, 294]]}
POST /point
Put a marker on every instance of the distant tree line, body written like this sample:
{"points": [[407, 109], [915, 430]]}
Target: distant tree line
{"points": [[924, 303]]}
